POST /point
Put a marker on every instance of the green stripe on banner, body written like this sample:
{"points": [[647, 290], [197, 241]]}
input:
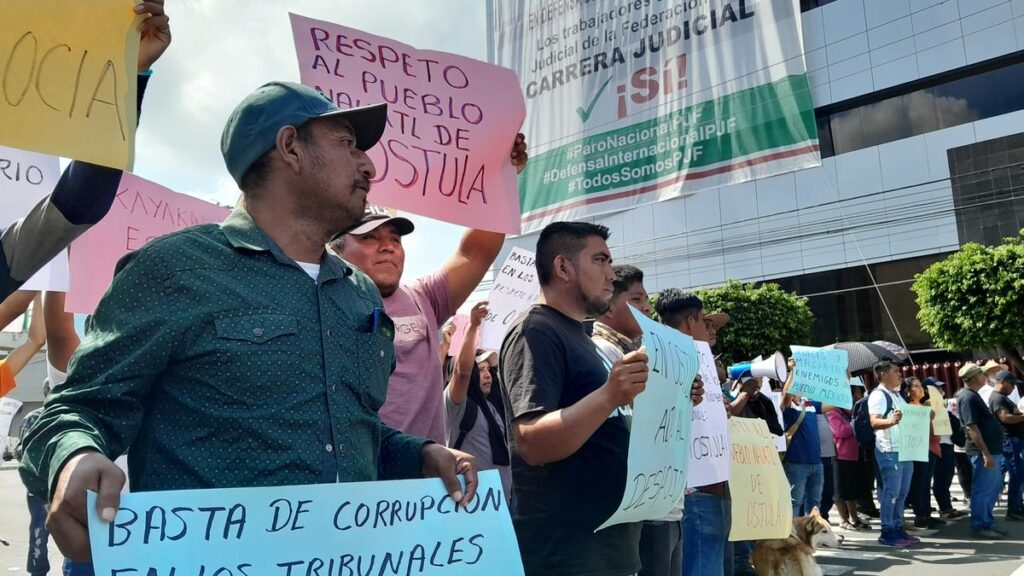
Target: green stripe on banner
{"points": [[751, 121]]}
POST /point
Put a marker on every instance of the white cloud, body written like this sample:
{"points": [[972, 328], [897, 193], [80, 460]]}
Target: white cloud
{"points": [[223, 50]]}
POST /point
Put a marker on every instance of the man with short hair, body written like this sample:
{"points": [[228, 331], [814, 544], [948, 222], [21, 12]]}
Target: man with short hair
{"points": [[991, 369], [1013, 423], [568, 433], [617, 333], [707, 510], [984, 435], [240, 354], [884, 409], [414, 404]]}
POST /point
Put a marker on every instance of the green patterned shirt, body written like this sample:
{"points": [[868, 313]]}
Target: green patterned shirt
{"points": [[215, 361]]}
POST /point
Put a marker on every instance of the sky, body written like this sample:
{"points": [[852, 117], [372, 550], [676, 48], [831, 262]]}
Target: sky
{"points": [[221, 51]]}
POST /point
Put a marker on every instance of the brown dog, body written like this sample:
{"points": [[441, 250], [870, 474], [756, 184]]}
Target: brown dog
{"points": [[794, 556]]}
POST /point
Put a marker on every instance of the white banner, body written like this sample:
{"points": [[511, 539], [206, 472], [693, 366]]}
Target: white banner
{"points": [[516, 287], [710, 456], [633, 102]]}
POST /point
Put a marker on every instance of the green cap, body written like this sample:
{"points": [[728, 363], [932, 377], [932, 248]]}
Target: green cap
{"points": [[253, 126]]}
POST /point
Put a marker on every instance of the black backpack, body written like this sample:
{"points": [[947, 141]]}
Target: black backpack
{"points": [[861, 421], [467, 422]]}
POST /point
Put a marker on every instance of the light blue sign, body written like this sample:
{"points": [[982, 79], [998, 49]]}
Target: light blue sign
{"points": [[659, 437], [821, 375], [380, 528]]}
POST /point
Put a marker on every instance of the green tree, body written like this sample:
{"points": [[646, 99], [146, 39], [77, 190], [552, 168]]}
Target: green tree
{"points": [[973, 299], [765, 319]]}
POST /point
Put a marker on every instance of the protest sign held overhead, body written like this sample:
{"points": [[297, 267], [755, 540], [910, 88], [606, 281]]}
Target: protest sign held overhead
{"points": [[820, 375], [70, 76], [710, 457], [914, 427], [941, 423], [142, 211], [516, 287], [25, 179], [630, 103], [659, 438], [399, 527], [451, 122], [761, 505]]}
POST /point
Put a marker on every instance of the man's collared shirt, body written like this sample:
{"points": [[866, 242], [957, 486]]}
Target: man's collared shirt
{"points": [[215, 361], [612, 343]]}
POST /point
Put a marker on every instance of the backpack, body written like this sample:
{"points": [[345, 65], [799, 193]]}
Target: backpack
{"points": [[467, 422], [861, 421]]}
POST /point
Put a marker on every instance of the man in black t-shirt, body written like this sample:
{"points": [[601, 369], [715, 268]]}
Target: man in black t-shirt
{"points": [[1013, 422], [984, 448], [568, 436]]}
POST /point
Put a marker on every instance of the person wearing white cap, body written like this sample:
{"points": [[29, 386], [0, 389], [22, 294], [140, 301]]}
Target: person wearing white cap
{"points": [[991, 369], [420, 307]]}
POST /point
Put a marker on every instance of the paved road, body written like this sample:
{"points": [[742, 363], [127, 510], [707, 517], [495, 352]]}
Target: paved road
{"points": [[945, 552]]}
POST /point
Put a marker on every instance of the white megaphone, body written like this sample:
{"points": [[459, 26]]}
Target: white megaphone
{"points": [[773, 367]]}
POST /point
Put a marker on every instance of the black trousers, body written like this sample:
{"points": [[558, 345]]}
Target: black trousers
{"points": [[944, 470], [661, 552], [828, 488], [921, 487], [964, 472]]}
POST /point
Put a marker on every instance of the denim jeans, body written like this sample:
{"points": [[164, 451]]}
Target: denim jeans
{"points": [[1014, 466], [38, 538], [707, 519], [892, 495], [944, 471], [987, 486], [805, 483], [78, 568]]}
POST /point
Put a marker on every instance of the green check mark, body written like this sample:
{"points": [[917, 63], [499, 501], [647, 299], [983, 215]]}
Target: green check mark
{"points": [[585, 113]]}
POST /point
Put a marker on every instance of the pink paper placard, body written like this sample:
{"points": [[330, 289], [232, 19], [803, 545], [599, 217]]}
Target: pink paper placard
{"points": [[452, 121], [142, 211]]}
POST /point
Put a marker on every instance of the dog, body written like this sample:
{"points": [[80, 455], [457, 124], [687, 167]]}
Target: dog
{"points": [[794, 556]]}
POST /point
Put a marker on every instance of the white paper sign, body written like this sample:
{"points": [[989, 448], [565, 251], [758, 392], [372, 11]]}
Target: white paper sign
{"points": [[8, 408], [659, 437], [25, 179], [711, 451], [516, 287]]}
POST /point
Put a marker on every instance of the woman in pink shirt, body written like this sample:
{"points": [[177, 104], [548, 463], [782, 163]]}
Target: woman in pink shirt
{"points": [[850, 467]]}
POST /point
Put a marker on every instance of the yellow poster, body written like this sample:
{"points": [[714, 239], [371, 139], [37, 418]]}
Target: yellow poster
{"points": [[761, 505], [68, 77], [940, 424]]}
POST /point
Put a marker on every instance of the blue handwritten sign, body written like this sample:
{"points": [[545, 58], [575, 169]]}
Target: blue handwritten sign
{"points": [[400, 527], [659, 437], [914, 426], [821, 375]]}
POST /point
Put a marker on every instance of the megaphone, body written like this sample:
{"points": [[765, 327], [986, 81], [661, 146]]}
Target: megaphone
{"points": [[737, 370], [773, 367]]}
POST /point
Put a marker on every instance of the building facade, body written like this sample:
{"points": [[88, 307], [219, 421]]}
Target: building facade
{"points": [[920, 110]]}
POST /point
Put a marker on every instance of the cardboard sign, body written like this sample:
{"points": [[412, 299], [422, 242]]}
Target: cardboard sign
{"points": [[710, 453], [8, 408], [26, 178], [70, 78], [941, 424], [516, 288], [399, 527], [761, 505], [820, 375], [141, 212], [659, 438], [914, 427], [452, 122]]}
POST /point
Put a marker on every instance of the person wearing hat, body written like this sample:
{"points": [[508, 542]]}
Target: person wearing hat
{"points": [[241, 353], [984, 435], [992, 368], [945, 466], [1013, 441], [418, 308]]}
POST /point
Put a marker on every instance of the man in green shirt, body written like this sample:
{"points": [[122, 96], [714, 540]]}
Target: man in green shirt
{"points": [[240, 354]]}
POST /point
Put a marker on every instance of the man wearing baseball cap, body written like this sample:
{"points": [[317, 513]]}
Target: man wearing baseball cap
{"points": [[240, 354], [991, 369], [984, 448], [419, 308]]}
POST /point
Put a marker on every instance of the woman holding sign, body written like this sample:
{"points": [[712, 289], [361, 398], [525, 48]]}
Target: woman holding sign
{"points": [[914, 392]]}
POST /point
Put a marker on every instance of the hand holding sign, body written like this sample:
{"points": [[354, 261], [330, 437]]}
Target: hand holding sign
{"points": [[155, 33], [448, 464], [68, 518], [626, 379]]}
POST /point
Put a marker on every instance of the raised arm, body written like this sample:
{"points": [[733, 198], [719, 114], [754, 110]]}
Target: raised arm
{"points": [[478, 248], [787, 398], [62, 339], [458, 386]]}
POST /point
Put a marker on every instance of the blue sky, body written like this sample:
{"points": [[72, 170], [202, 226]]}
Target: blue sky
{"points": [[223, 50]]}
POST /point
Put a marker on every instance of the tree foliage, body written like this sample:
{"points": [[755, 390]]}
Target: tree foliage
{"points": [[974, 298], [765, 318]]}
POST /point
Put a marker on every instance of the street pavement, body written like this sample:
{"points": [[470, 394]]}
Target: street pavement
{"points": [[945, 552]]}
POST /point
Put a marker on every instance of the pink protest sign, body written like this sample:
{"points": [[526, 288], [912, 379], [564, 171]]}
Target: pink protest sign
{"points": [[451, 122], [141, 212]]}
